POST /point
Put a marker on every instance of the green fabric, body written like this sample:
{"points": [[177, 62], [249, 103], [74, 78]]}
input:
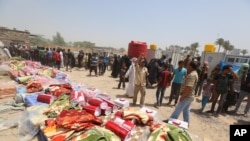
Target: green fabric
{"points": [[155, 135], [99, 134], [62, 100], [178, 134], [169, 133]]}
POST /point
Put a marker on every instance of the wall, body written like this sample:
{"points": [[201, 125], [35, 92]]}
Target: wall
{"points": [[213, 58], [176, 57], [153, 54], [8, 36]]}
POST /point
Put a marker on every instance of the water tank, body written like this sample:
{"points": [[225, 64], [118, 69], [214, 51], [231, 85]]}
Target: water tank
{"points": [[153, 46], [136, 48], [209, 48]]}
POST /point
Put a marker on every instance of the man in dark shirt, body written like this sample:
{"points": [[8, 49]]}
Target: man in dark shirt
{"points": [[221, 83]]}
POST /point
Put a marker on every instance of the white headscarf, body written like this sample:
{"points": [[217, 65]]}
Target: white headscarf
{"points": [[133, 59]]}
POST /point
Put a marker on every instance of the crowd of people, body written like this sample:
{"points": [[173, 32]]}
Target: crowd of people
{"points": [[188, 80], [61, 58]]}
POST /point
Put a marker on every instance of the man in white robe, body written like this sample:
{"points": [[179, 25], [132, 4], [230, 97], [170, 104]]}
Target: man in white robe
{"points": [[62, 61], [130, 74]]}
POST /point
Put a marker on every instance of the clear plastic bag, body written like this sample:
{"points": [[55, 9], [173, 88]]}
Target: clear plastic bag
{"points": [[26, 129]]}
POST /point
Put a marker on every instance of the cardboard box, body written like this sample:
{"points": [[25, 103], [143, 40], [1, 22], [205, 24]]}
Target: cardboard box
{"points": [[178, 123], [122, 102], [151, 112]]}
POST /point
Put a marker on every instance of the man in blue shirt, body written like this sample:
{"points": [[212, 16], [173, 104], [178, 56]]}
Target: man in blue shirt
{"points": [[178, 75]]}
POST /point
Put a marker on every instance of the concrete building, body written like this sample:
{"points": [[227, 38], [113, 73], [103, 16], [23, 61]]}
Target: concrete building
{"points": [[14, 36]]}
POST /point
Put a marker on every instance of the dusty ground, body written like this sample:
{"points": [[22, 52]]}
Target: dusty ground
{"points": [[205, 126]]}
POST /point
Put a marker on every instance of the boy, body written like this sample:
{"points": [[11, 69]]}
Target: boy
{"points": [[164, 82]]}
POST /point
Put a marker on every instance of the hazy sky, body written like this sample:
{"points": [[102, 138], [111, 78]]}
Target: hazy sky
{"points": [[115, 23]]}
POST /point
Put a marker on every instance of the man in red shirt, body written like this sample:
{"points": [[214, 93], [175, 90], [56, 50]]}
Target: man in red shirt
{"points": [[164, 82], [58, 59]]}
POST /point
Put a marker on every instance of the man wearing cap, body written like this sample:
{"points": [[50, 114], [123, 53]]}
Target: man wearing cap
{"points": [[141, 73]]}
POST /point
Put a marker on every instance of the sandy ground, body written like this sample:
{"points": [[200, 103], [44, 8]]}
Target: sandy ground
{"points": [[206, 126]]}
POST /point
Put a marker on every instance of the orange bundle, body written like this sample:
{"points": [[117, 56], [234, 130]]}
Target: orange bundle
{"points": [[77, 120]]}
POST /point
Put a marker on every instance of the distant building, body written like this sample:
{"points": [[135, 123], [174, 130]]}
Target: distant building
{"points": [[235, 52], [237, 59], [14, 36]]}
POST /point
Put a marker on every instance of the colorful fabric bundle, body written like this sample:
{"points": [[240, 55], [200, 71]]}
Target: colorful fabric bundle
{"points": [[77, 98], [178, 134], [139, 116], [168, 132], [50, 126], [159, 133], [7, 89], [47, 72], [77, 120], [59, 89], [14, 73], [97, 134], [57, 106], [33, 86], [23, 79]]}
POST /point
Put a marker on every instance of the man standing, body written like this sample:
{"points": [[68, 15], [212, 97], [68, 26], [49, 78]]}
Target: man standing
{"points": [[141, 73], [130, 74], [187, 93], [186, 61], [170, 65], [93, 64], [164, 81], [221, 85], [244, 91], [178, 75], [69, 56], [62, 61]]}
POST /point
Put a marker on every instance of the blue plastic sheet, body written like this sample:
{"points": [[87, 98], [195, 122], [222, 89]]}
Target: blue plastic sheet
{"points": [[235, 67], [31, 99]]}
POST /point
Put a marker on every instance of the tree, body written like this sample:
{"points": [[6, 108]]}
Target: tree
{"points": [[122, 50], [39, 41], [227, 46], [58, 39], [186, 50], [194, 47], [220, 42], [244, 52], [85, 44]]}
